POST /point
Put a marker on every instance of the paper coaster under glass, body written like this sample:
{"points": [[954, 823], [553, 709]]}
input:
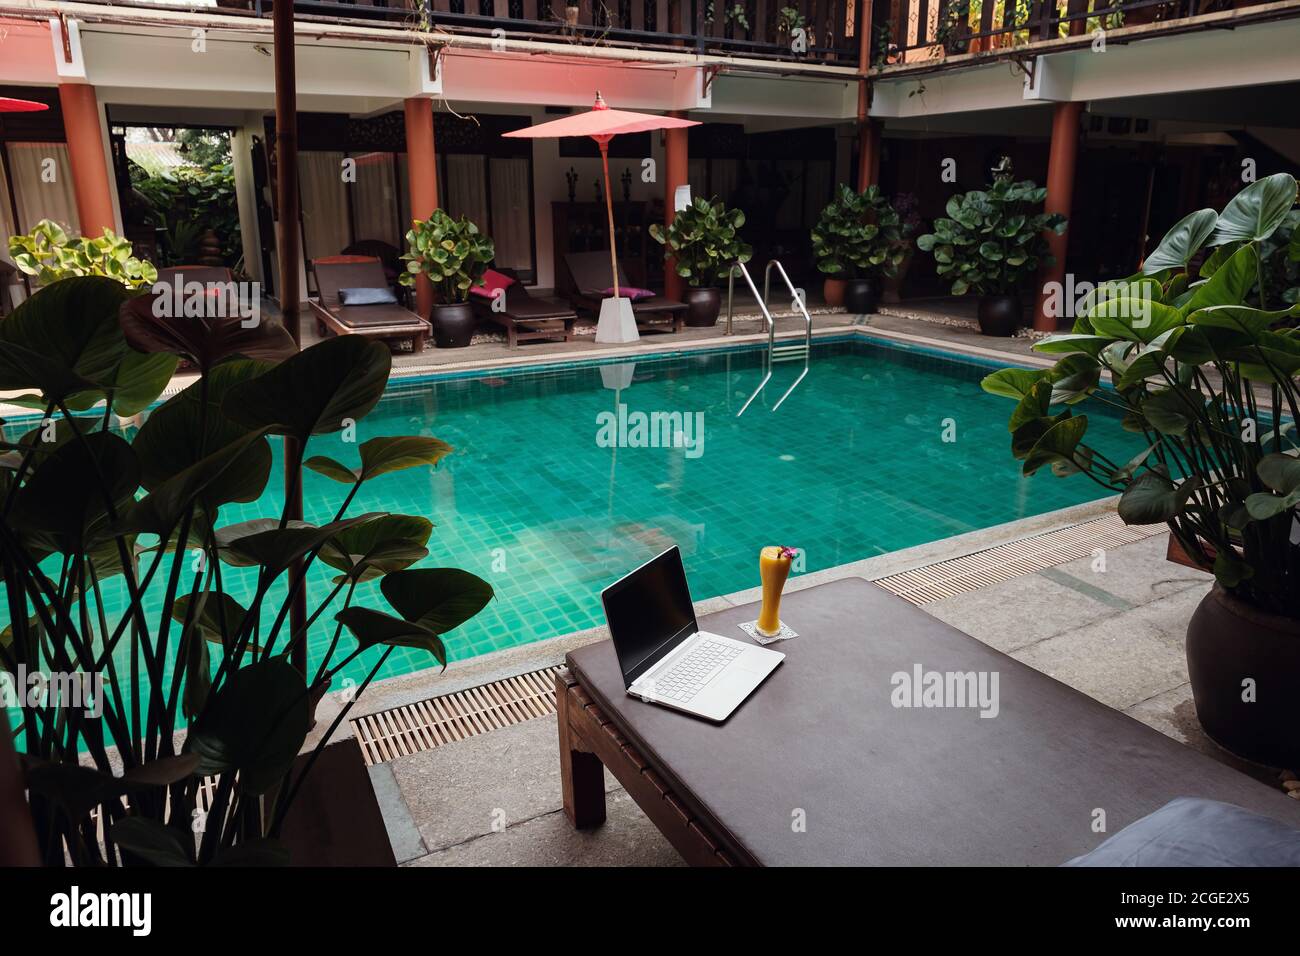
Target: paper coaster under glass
{"points": [[751, 628]]}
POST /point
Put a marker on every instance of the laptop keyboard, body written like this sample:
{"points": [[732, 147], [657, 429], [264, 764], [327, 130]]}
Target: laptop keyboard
{"points": [[688, 676]]}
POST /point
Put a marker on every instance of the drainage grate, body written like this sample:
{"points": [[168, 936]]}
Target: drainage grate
{"points": [[426, 724], [934, 582]]}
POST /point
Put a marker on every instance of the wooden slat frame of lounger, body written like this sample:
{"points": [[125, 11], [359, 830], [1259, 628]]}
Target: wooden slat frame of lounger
{"points": [[588, 741]]}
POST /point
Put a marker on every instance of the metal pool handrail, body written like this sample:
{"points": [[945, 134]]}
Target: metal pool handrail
{"points": [[788, 350], [767, 317]]}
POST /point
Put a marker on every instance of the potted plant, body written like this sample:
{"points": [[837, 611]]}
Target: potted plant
{"points": [[991, 243], [910, 225], [857, 241], [704, 242], [129, 576], [454, 255], [49, 254], [1209, 378]]}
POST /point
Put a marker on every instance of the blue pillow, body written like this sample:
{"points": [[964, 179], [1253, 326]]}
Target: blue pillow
{"points": [[382, 296], [1191, 831]]}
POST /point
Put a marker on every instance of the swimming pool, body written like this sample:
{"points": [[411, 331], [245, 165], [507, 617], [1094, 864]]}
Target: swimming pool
{"points": [[551, 493]]}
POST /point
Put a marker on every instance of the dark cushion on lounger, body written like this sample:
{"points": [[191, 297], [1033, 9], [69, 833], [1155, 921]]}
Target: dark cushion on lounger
{"points": [[375, 316], [1195, 832], [367, 296]]}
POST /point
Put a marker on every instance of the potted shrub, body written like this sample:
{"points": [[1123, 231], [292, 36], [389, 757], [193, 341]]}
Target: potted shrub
{"points": [[857, 241], [454, 255], [704, 241], [910, 224], [49, 254], [1195, 363], [992, 244], [171, 607]]}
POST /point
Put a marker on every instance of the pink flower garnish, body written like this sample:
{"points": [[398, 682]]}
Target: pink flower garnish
{"points": [[789, 552]]}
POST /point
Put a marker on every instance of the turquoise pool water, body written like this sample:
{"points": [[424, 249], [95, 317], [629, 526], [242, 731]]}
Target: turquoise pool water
{"points": [[854, 464]]}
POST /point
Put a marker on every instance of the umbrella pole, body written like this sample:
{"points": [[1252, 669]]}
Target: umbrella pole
{"points": [[609, 210]]}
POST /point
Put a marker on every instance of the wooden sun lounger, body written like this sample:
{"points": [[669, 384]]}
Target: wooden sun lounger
{"points": [[591, 276], [387, 322], [527, 318], [824, 764]]}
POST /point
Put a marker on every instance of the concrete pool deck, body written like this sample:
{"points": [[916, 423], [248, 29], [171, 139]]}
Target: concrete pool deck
{"points": [[1110, 624]]}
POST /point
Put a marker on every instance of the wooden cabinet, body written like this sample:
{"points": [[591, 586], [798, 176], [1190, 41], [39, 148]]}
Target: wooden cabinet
{"points": [[584, 227]]}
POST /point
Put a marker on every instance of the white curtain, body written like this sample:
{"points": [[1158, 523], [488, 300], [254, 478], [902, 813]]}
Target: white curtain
{"points": [[324, 203], [464, 193], [42, 181], [511, 218], [404, 199], [374, 205]]}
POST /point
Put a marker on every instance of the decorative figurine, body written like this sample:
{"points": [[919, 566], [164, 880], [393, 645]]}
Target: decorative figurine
{"points": [[571, 177]]}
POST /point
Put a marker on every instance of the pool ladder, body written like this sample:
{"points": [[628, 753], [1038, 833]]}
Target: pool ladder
{"points": [[775, 353]]}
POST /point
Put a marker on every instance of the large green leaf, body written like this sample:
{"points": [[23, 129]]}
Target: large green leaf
{"points": [[153, 842], [65, 502], [64, 339], [1256, 211], [1012, 382], [372, 627], [1171, 411], [1153, 498], [389, 543], [254, 723], [316, 391], [1057, 444], [217, 606], [276, 548], [203, 339], [381, 455], [437, 598], [1230, 283], [1182, 242], [187, 428]]}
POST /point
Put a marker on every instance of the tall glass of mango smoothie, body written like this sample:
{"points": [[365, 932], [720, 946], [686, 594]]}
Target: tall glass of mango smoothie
{"points": [[773, 569]]}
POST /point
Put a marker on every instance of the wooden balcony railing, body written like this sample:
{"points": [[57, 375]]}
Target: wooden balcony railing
{"points": [[815, 31], [920, 30]]}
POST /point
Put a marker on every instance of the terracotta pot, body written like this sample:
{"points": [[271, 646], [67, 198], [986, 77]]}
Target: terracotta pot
{"points": [[702, 307], [1244, 665], [1000, 314], [860, 296], [833, 292], [453, 325]]}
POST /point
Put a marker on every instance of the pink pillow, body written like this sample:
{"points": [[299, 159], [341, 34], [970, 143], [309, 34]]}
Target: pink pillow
{"points": [[491, 282], [629, 292]]}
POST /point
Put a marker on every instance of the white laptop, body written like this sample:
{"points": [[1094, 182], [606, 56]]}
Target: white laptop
{"points": [[666, 659]]}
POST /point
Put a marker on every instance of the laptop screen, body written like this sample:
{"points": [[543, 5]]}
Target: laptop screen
{"points": [[649, 612]]}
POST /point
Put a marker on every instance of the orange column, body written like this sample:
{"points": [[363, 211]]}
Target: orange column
{"points": [[675, 174], [869, 131], [422, 173], [88, 159], [1060, 194]]}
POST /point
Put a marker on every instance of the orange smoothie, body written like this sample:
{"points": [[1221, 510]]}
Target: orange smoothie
{"points": [[773, 569]]}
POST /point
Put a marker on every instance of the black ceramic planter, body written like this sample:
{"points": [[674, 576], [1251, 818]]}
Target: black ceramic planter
{"points": [[860, 296], [702, 307], [453, 325], [1000, 314], [1244, 667]]}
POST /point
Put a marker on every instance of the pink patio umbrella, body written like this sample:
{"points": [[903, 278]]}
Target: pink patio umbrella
{"points": [[602, 124], [10, 105]]}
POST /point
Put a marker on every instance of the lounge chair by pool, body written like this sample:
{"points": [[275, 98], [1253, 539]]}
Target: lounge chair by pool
{"points": [[388, 321], [592, 276]]}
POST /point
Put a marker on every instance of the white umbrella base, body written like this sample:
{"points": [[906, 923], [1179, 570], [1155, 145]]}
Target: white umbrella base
{"points": [[617, 324]]}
